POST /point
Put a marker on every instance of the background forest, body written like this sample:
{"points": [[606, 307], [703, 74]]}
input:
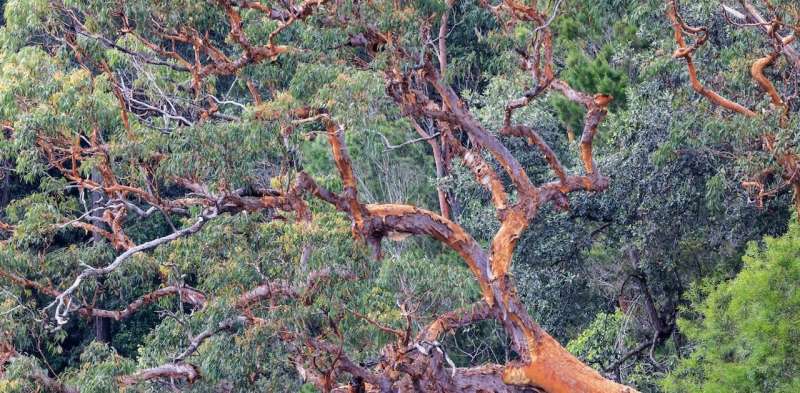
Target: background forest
{"points": [[166, 224]]}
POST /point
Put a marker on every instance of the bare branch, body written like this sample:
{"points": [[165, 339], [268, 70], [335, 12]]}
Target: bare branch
{"points": [[63, 300], [177, 370]]}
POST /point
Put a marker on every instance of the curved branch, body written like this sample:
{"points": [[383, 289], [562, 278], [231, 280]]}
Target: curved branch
{"points": [[269, 290], [187, 295], [535, 139], [346, 364], [455, 319], [484, 174], [757, 72], [413, 220], [205, 334], [789, 51], [686, 51], [283, 289], [25, 283], [345, 167], [62, 300], [596, 112], [464, 119]]}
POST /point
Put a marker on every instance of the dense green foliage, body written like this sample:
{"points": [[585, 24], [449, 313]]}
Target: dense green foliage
{"points": [[746, 334], [673, 226]]}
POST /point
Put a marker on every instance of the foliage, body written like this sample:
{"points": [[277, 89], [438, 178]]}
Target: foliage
{"points": [[742, 331], [675, 214]]}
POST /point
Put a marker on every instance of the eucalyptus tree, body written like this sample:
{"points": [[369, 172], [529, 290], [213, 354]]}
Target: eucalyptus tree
{"points": [[755, 38], [173, 152], [674, 212]]}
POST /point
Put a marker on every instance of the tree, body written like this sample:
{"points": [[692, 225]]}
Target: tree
{"points": [[672, 201], [740, 329], [779, 31], [135, 93]]}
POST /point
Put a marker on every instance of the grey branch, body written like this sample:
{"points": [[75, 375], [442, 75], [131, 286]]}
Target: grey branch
{"points": [[63, 301]]}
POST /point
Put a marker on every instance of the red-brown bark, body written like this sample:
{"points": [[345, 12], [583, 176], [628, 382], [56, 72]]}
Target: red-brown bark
{"points": [[419, 364], [686, 51], [187, 296], [786, 160]]}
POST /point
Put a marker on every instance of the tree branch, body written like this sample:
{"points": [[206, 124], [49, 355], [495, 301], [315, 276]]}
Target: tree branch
{"points": [[63, 300], [177, 370], [187, 295]]}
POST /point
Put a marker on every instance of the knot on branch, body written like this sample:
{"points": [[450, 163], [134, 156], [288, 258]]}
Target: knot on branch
{"points": [[683, 52], [603, 100]]}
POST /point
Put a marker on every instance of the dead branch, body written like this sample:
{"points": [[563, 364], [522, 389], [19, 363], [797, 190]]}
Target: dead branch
{"points": [[177, 370], [63, 300]]}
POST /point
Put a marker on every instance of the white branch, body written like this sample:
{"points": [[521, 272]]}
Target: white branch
{"points": [[63, 301]]}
